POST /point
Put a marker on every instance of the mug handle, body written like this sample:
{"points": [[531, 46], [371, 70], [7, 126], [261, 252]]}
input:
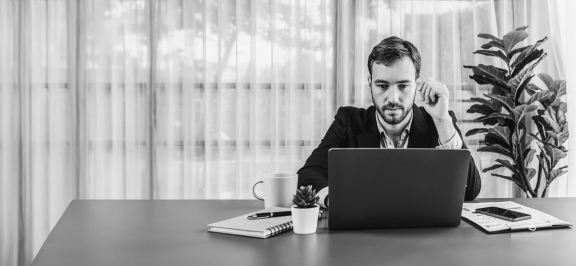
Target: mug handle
{"points": [[254, 193]]}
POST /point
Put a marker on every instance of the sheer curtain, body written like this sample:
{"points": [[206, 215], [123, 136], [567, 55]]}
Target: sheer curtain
{"points": [[37, 124], [153, 100], [243, 88], [166, 99]]}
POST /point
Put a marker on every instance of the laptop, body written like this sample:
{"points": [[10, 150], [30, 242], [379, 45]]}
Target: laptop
{"points": [[396, 188]]}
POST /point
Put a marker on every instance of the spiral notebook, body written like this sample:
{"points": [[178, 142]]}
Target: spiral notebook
{"points": [[261, 228], [490, 225]]}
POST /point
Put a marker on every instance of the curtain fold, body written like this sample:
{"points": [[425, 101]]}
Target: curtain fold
{"points": [[170, 99], [565, 13]]}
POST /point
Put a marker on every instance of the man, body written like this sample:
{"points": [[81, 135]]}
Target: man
{"points": [[393, 121]]}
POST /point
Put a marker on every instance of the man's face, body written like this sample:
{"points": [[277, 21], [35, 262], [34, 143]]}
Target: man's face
{"points": [[393, 89]]}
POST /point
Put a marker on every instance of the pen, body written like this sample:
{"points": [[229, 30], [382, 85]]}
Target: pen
{"points": [[264, 215]]}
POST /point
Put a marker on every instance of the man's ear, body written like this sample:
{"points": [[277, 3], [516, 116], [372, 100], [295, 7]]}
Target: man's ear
{"points": [[370, 81]]}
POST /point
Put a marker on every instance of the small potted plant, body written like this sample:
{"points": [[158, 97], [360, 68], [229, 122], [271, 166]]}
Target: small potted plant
{"points": [[305, 211]]}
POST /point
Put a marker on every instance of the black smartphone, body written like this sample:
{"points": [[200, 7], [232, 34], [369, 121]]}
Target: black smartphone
{"points": [[504, 214]]}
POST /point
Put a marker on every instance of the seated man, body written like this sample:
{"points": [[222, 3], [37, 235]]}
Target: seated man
{"points": [[393, 121]]}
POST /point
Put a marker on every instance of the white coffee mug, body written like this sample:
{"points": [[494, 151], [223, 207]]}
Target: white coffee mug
{"points": [[279, 189]]}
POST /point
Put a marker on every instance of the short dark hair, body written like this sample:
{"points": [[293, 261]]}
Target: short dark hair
{"points": [[393, 49]]}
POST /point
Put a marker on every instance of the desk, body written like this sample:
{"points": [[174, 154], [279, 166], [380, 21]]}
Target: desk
{"points": [[173, 232]]}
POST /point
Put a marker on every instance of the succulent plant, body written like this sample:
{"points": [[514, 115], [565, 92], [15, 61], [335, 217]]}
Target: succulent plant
{"points": [[306, 197]]}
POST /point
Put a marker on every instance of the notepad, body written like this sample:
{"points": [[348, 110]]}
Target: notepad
{"points": [[491, 224], [261, 228]]}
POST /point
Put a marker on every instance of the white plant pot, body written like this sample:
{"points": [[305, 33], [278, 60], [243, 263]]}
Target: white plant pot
{"points": [[305, 221]]}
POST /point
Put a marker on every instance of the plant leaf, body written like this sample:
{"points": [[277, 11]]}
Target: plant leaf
{"points": [[550, 140], [512, 38], [500, 84], [493, 167], [500, 118], [527, 140], [555, 174], [490, 37], [541, 132], [528, 158], [527, 52], [509, 165], [547, 79], [554, 136], [547, 122], [517, 50], [540, 97], [493, 44], [552, 111], [534, 136], [502, 133], [525, 153], [501, 90], [562, 137], [491, 140], [489, 71], [490, 120], [547, 154], [504, 100], [479, 79], [519, 82], [539, 54], [522, 110], [530, 173], [523, 27], [554, 155], [481, 100], [481, 109], [493, 53], [476, 131], [559, 88], [531, 89], [558, 155]]}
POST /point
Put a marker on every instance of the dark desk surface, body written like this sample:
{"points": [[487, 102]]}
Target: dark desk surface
{"points": [[173, 232]]}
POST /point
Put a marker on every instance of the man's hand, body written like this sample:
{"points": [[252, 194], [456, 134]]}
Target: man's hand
{"points": [[435, 96]]}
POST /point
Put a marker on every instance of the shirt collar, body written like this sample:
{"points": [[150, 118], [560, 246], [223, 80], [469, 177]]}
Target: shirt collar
{"points": [[380, 122]]}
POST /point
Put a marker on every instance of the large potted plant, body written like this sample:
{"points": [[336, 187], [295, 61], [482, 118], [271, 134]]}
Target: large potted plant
{"points": [[512, 99], [305, 211]]}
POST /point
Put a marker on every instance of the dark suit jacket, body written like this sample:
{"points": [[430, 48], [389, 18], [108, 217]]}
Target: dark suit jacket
{"points": [[356, 128]]}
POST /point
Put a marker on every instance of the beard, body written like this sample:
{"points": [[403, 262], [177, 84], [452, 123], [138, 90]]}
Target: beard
{"points": [[393, 113]]}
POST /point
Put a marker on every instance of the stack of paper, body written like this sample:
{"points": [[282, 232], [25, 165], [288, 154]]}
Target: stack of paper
{"points": [[490, 224]]}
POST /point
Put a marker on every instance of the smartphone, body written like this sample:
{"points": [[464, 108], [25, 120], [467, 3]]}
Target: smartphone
{"points": [[504, 214]]}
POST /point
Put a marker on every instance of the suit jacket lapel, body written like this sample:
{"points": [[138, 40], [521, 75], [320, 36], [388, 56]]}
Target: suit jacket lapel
{"points": [[370, 138], [419, 137]]}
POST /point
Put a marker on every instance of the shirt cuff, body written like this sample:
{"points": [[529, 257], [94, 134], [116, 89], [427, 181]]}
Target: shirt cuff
{"points": [[454, 143], [323, 193]]}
